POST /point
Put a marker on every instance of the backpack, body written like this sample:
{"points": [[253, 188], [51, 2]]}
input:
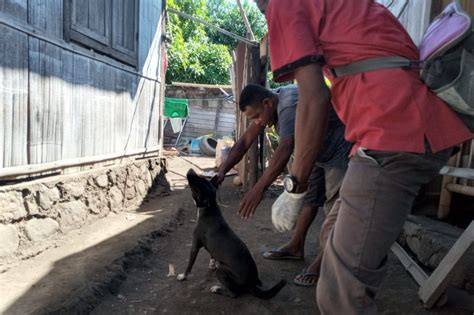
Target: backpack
{"points": [[446, 61]]}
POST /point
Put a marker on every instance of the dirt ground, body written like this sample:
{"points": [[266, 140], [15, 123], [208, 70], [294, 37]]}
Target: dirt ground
{"points": [[119, 264], [148, 289]]}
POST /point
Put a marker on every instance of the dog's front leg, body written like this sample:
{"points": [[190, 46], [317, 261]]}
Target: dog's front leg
{"points": [[192, 258]]}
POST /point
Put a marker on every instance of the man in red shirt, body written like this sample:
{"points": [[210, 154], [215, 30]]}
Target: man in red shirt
{"points": [[402, 134]]}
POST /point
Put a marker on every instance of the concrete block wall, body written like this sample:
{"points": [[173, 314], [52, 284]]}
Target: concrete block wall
{"points": [[34, 212]]}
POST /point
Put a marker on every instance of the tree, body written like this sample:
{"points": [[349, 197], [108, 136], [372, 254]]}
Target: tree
{"points": [[226, 14], [199, 54]]}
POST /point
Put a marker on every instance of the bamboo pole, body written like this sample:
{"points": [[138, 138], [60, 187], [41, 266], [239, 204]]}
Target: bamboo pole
{"points": [[16, 171], [246, 21]]}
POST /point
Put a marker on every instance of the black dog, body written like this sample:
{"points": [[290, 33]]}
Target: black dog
{"points": [[236, 269]]}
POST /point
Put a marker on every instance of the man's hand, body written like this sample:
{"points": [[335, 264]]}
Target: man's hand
{"points": [[249, 203], [218, 179], [285, 210]]}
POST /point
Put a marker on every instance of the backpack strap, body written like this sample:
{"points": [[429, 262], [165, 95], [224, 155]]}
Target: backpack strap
{"points": [[372, 64]]}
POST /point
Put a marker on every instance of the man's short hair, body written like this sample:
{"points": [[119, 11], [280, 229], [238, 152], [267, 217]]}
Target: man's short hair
{"points": [[253, 95]]}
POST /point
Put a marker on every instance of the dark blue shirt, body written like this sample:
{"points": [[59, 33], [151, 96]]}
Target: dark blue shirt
{"points": [[335, 150]]}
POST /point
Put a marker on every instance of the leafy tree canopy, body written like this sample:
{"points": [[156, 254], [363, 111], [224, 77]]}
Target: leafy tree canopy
{"points": [[199, 54]]}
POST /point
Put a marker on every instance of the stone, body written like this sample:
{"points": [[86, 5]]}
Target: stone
{"points": [[112, 177], [98, 204], [132, 173], [130, 182], [141, 188], [429, 240], [130, 193], [74, 188], [40, 229], [148, 179], [102, 181], [115, 199], [10, 240], [120, 174], [31, 204], [48, 196], [72, 215], [12, 206], [144, 169]]}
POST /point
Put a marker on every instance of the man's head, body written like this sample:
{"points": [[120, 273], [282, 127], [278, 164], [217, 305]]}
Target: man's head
{"points": [[259, 105], [262, 5]]}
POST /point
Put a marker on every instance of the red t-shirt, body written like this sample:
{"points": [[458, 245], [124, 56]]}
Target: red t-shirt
{"points": [[387, 109]]}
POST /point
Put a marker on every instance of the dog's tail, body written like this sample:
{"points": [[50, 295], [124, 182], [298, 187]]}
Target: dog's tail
{"points": [[268, 294]]}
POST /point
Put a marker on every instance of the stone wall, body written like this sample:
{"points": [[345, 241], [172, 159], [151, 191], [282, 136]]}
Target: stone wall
{"points": [[429, 241], [33, 212]]}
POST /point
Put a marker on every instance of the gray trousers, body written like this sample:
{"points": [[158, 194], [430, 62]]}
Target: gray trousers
{"points": [[375, 198], [324, 185]]}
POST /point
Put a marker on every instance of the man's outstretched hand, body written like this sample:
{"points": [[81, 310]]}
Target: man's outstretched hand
{"points": [[249, 203], [218, 179]]}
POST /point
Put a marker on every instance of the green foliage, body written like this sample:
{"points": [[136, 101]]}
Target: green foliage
{"points": [[197, 53], [226, 14]]}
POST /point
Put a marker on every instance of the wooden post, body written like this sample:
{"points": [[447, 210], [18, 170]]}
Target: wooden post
{"points": [[238, 77], [445, 195], [253, 76]]}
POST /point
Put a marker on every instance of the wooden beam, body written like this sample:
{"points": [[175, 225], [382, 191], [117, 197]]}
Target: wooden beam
{"points": [[198, 85], [455, 296], [467, 173], [436, 284], [444, 205], [410, 265], [246, 21], [15, 171], [461, 189], [223, 31]]}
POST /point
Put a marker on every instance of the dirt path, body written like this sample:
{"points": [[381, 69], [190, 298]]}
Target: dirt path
{"points": [[148, 290]]}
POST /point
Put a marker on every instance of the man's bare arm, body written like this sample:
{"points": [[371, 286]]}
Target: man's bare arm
{"points": [[280, 157], [239, 149], [277, 163], [311, 119]]}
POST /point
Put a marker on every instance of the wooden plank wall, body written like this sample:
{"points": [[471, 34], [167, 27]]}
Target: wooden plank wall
{"points": [[57, 104], [202, 117], [414, 15], [14, 97], [15, 8], [418, 14]]}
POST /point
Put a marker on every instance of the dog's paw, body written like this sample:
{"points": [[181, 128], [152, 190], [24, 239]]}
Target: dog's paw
{"points": [[216, 289], [181, 277]]}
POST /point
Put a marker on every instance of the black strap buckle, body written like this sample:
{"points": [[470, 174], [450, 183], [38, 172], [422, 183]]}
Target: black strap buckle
{"points": [[413, 64]]}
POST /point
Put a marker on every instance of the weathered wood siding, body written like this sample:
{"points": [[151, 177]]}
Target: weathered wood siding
{"points": [[14, 97], [202, 120], [59, 104], [414, 15], [16, 9]]}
